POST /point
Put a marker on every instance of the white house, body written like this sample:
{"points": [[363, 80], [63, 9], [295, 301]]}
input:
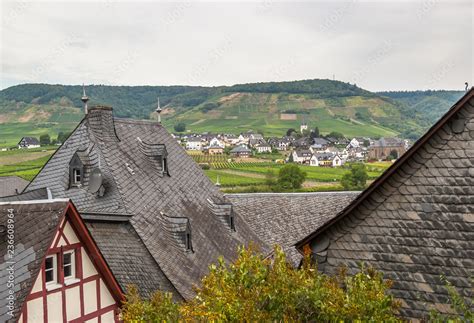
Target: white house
{"points": [[214, 142], [194, 144], [29, 142], [302, 156], [325, 160]]}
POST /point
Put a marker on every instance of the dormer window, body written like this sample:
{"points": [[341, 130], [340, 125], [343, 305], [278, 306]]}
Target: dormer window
{"points": [[76, 170], [231, 221]]}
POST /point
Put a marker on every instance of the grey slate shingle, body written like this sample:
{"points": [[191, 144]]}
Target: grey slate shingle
{"points": [[11, 185], [285, 218]]}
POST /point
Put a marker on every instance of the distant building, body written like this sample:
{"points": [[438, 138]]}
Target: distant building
{"points": [[302, 156], [214, 149], [241, 151], [320, 143], [325, 160], [385, 147], [214, 142], [194, 144], [29, 142], [303, 126]]}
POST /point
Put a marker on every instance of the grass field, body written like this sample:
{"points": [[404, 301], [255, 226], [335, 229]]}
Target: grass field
{"points": [[25, 163]]}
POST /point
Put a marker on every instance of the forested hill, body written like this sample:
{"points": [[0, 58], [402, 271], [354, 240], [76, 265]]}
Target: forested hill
{"points": [[139, 101], [424, 106]]}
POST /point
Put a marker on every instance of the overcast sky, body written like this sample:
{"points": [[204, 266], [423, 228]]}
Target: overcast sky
{"points": [[377, 45]]}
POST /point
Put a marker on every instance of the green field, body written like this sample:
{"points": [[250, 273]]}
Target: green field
{"points": [[24, 167]]}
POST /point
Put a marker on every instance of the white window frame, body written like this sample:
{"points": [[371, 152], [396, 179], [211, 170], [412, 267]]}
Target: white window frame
{"points": [[54, 269], [73, 265], [76, 172]]}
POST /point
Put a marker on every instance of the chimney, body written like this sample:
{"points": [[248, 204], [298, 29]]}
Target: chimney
{"points": [[101, 122]]}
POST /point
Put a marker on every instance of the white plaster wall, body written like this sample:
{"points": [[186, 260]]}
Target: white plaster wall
{"points": [[55, 308], [70, 234], [108, 317], [88, 268], [38, 286], [73, 306], [106, 298], [90, 297], [35, 310]]}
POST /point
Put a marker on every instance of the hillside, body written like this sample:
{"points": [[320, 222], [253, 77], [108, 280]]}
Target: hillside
{"points": [[271, 107]]}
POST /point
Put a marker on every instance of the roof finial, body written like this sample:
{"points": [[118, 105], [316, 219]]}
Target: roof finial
{"points": [[218, 184], [467, 86], [84, 98], [158, 110]]}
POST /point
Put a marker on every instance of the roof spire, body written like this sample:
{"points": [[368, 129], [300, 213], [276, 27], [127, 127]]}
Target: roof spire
{"points": [[84, 98], [158, 110]]}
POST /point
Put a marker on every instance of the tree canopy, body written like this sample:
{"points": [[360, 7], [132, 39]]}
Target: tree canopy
{"points": [[291, 176], [256, 288], [356, 178]]}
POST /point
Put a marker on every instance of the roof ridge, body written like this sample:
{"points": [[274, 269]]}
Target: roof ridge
{"points": [[54, 200]]}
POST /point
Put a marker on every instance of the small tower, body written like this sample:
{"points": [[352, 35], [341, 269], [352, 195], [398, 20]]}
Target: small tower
{"points": [[303, 126], [158, 110], [84, 98]]}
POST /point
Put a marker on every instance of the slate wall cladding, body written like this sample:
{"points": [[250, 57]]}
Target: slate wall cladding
{"points": [[418, 224]]}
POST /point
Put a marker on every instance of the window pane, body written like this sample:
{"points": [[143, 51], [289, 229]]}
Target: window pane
{"points": [[67, 258], [49, 275], [67, 270], [49, 263]]}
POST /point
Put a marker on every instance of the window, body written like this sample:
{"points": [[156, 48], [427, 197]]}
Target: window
{"points": [[69, 267], [76, 176], [50, 269], [231, 222], [189, 246]]}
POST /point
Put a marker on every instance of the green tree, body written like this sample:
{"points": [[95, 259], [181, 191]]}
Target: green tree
{"points": [[180, 127], [256, 288], [356, 178], [315, 133], [62, 137], [335, 134], [290, 131], [45, 139], [291, 176]]}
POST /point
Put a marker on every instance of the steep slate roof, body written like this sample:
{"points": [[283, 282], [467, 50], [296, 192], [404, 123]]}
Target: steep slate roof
{"points": [[11, 185], [285, 218], [30, 140], [240, 149], [416, 221], [133, 186], [128, 258], [388, 142], [35, 227]]}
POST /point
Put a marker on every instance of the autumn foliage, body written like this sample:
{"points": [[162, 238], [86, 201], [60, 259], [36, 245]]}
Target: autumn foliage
{"points": [[255, 288]]}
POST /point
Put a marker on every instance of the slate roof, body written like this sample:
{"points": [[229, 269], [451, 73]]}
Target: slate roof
{"points": [[29, 141], [285, 218], [416, 221], [11, 185], [240, 149], [128, 258], [35, 225], [133, 186], [389, 142]]}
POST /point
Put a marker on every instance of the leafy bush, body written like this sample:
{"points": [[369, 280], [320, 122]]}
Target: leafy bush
{"points": [[180, 127], [291, 176], [356, 178], [258, 289]]}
